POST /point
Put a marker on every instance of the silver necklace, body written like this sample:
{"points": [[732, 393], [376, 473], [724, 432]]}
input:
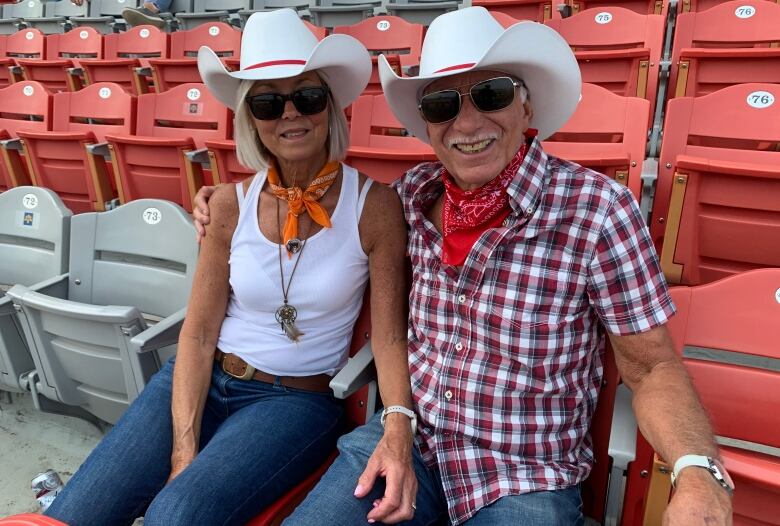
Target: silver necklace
{"points": [[286, 314]]}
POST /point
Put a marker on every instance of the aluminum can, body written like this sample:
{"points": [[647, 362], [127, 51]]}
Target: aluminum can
{"points": [[46, 486]]}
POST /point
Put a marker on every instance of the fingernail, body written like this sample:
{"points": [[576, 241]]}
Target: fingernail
{"points": [[371, 521], [375, 504], [359, 489]]}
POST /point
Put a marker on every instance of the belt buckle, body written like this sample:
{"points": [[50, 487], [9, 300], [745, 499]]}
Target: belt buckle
{"points": [[249, 371]]}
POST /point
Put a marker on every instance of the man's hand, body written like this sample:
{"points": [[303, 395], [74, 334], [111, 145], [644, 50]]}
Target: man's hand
{"points": [[77, 2], [200, 211], [698, 500], [392, 459]]}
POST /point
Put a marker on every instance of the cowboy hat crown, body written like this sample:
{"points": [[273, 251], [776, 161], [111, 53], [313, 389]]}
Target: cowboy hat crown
{"points": [[471, 39], [276, 45]]}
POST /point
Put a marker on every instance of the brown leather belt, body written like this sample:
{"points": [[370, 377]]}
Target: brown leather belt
{"points": [[238, 368]]}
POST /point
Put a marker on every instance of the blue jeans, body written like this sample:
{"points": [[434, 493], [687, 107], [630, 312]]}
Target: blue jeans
{"points": [[257, 441], [161, 5], [332, 502]]}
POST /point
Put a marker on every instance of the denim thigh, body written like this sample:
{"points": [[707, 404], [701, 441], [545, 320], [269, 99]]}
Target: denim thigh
{"points": [[561, 507], [332, 501]]}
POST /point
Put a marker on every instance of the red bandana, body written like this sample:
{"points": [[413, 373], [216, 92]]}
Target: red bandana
{"points": [[467, 214]]}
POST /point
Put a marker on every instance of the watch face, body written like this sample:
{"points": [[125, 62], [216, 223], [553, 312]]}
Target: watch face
{"points": [[723, 473]]}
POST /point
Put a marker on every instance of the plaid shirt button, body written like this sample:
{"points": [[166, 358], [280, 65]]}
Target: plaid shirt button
{"points": [[448, 395], [462, 298], [458, 346]]}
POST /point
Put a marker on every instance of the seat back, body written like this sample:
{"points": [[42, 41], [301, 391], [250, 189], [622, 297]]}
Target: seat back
{"points": [[83, 42], [421, 11], [34, 237], [152, 163], [225, 167], [718, 184], [399, 40], [725, 45], [535, 10], [59, 160], [203, 6], [182, 66], [616, 48], [27, 43], [332, 13], [28, 8], [643, 7], [138, 258], [727, 334], [67, 9], [607, 133], [25, 105], [110, 7], [379, 145], [137, 42]]}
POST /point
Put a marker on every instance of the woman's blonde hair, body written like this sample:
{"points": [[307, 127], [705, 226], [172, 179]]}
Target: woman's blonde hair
{"points": [[253, 154]]}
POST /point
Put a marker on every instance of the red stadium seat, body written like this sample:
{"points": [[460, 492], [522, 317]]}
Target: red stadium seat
{"points": [[617, 49], [717, 202], [152, 163], [378, 146], [643, 7], [25, 105], [399, 40], [30, 519], [123, 53], [62, 53], [59, 159], [725, 45], [182, 67], [693, 6], [27, 43], [726, 333], [536, 10], [225, 167], [607, 134], [504, 19]]}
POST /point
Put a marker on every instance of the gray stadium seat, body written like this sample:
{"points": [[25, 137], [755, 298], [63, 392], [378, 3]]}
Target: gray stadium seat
{"points": [[14, 14], [300, 6], [332, 13], [96, 344], [34, 233], [421, 11], [205, 11], [105, 15], [55, 16]]}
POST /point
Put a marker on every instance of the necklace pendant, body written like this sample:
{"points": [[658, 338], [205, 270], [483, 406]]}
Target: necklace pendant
{"points": [[294, 246], [286, 315]]}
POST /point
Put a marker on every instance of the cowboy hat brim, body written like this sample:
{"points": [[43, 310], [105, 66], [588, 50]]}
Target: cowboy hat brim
{"points": [[343, 62], [532, 52]]}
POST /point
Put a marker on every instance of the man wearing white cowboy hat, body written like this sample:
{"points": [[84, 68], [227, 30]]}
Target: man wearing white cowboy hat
{"points": [[519, 259]]}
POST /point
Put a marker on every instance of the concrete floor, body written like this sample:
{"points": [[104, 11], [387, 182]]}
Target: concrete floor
{"points": [[32, 442]]}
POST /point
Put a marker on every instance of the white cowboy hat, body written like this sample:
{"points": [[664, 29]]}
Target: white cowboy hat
{"points": [[470, 39], [277, 45]]}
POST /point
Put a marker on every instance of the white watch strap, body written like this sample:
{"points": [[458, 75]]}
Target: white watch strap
{"points": [[404, 411], [687, 461]]}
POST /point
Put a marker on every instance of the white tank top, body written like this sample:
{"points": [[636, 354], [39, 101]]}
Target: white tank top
{"points": [[327, 289]]}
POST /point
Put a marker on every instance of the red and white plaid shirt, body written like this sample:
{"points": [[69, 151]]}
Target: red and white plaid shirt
{"points": [[505, 352]]}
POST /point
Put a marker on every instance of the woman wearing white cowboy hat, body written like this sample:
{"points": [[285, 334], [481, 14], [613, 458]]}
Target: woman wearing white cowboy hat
{"points": [[246, 413]]}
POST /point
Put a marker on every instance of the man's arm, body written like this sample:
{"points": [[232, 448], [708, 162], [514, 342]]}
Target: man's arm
{"points": [[673, 420]]}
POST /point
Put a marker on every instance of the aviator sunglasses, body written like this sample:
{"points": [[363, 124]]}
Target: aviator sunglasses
{"points": [[270, 106], [488, 95]]}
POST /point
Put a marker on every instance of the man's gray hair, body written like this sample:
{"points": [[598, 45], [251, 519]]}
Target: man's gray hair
{"points": [[253, 154]]}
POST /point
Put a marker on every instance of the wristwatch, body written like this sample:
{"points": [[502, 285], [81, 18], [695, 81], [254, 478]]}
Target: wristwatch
{"points": [[404, 411], [712, 465]]}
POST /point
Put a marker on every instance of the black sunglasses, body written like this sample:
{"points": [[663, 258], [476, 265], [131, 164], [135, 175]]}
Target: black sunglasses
{"points": [[270, 106], [487, 95]]}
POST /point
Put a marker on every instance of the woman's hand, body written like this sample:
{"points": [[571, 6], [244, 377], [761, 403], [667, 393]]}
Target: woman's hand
{"points": [[392, 459], [200, 210], [179, 462]]}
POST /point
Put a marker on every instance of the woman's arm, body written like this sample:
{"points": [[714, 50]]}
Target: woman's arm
{"points": [[198, 337], [383, 236]]}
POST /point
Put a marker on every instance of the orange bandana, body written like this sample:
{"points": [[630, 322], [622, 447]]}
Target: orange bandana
{"points": [[299, 200]]}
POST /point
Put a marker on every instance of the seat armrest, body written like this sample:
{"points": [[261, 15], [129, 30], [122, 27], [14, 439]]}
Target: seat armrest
{"points": [[622, 451], [380, 11], [76, 72], [16, 70], [99, 148], [160, 335], [56, 287], [411, 71], [198, 156], [12, 144], [357, 373], [144, 71]]}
